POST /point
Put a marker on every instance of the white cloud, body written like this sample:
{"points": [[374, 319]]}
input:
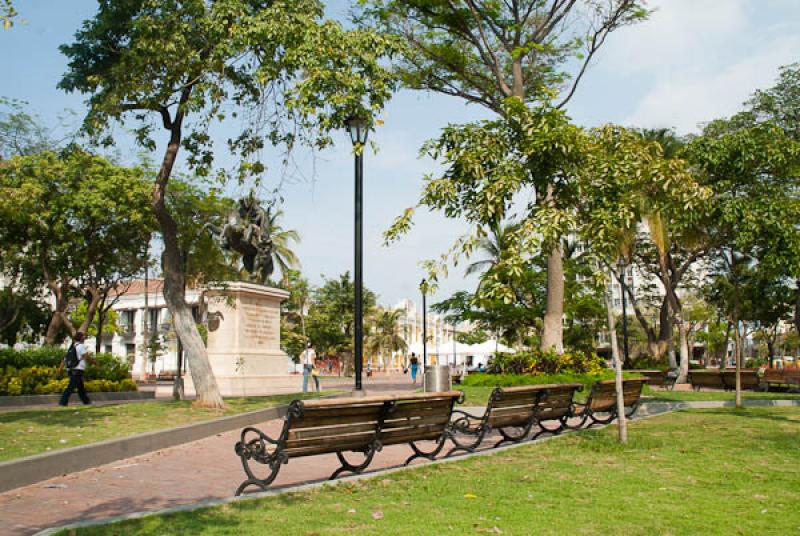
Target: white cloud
{"points": [[685, 98], [677, 34]]}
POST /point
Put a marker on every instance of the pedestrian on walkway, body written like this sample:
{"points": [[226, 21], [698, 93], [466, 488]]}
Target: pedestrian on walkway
{"points": [[309, 358], [414, 367], [75, 360]]}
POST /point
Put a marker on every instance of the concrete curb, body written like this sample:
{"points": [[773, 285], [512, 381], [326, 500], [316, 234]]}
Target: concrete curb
{"points": [[33, 469], [42, 400], [647, 410]]}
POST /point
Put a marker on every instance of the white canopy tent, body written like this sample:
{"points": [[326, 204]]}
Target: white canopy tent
{"points": [[466, 355]]}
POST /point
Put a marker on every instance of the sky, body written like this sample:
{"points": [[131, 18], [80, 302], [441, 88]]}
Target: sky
{"points": [[692, 61]]}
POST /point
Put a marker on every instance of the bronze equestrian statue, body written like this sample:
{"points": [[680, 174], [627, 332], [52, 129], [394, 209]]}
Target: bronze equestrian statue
{"points": [[247, 232]]}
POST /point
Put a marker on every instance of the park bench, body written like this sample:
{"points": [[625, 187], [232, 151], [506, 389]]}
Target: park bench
{"points": [[782, 378], [658, 378], [513, 412], [601, 406], [339, 426], [711, 379], [749, 379], [558, 405]]}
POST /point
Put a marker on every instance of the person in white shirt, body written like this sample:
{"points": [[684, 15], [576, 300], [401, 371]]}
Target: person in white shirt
{"points": [[309, 357], [83, 357]]}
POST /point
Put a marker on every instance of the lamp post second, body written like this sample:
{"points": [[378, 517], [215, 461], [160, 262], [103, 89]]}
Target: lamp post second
{"points": [[358, 129], [423, 286]]}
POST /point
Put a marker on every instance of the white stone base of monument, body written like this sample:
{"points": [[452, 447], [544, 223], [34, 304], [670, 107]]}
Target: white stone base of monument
{"points": [[244, 339], [251, 386]]}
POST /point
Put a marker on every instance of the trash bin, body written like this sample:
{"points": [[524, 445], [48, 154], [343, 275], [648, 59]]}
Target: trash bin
{"points": [[437, 378]]}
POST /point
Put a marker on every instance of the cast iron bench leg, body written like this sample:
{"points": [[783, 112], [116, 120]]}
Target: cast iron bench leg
{"points": [[427, 455], [357, 469], [509, 438]]}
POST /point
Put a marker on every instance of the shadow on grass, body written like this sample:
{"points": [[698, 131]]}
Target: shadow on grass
{"points": [[59, 417]]}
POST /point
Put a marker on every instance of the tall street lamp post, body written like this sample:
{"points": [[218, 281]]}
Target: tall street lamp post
{"points": [[424, 288], [621, 277], [358, 129]]}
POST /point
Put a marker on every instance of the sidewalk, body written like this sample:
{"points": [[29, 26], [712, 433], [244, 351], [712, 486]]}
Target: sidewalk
{"points": [[185, 474]]}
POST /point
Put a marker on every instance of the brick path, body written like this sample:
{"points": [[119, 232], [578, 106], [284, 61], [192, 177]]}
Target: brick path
{"points": [[185, 474]]}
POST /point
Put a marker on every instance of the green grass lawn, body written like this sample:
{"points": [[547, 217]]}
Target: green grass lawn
{"points": [[479, 395], [720, 471], [28, 432]]}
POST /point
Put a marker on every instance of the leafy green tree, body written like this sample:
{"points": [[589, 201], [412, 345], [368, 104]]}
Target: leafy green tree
{"points": [[474, 336], [330, 323], [752, 167], [74, 223], [294, 311], [195, 208], [7, 14], [187, 63], [21, 316], [487, 163], [21, 133], [102, 323], [487, 53], [623, 180]]}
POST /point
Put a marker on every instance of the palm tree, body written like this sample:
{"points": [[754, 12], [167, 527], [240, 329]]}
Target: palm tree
{"points": [[493, 246], [385, 336], [282, 254]]}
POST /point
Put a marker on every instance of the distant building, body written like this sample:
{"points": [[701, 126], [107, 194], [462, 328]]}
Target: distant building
{"points": [[145, 323]]}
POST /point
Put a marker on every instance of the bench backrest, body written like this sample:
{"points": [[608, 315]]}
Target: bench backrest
{"points": [[749, 378], [786, 375], [418, 417], [557, 401], [342, 424], [603, 396], [512, 406], [774, 376], [706, 378], [654, 377]]}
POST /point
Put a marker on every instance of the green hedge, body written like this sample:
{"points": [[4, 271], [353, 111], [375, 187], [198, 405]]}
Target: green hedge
{"points": [[28, 372], [511, 380], [47, 356], [536, 362]]}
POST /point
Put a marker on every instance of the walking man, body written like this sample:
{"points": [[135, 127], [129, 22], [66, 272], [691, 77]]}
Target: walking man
{"points": [[309, 357], [76, 360]]}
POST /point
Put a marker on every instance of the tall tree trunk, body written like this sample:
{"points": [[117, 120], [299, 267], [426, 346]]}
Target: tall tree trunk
{"points": [[91, 309], [738, 356], [617, 359], [683, 369], [59, 318], [797, 306], [205, 383], [98, 340], [552, 332]]}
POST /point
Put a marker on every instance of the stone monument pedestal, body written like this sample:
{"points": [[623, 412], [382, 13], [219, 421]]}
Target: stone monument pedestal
{"points": [[244, 339]]}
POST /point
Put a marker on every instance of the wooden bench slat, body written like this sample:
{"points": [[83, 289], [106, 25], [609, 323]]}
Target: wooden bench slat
{"points": [[330, 431], [420, 433], [332, 441], [423, 421], [297, 452]]}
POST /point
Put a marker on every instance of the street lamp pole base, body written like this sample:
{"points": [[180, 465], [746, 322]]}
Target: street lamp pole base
{"points": [[358, 393]]}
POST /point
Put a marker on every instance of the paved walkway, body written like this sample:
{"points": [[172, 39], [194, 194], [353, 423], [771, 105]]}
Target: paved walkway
{"points": [[185, 474]]}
